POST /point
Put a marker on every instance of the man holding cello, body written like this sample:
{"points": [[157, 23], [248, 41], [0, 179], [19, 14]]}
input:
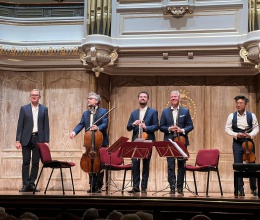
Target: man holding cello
{"points": [[242, 125], [95, 122], [176, 122]]}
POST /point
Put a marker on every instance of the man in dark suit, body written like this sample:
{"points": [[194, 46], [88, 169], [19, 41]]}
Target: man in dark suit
{"points": [[176, 120], [88, 118], [33, 127], [144, 119]]}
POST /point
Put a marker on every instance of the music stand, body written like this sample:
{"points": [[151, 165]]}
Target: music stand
{"points": [[175, 149], [139, 149], [112, 149]]}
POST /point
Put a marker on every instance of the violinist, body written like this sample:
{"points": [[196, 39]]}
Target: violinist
{"points": [[176, 122], [242, 126], [88, 121], [143, 122]]}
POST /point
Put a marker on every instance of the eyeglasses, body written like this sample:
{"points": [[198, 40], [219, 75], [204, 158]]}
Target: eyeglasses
{"points": [[90, 98], [34, 95]]}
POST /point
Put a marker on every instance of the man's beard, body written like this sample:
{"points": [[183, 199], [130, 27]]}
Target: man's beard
{"points": [[143, 103]]}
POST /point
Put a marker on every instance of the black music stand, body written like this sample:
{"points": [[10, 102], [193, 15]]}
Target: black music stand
{"points": [[112, 149], [139, 149], [174, 149]]}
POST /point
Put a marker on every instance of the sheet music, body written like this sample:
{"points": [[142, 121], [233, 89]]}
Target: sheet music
{"points": [[178, 148]]}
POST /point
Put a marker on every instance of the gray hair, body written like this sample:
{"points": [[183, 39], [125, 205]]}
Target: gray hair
{"points": [[176, 92], [97, 97], [37, 91]]}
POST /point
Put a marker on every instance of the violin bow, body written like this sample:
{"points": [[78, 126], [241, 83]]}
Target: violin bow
{"points": [[251, 128]]}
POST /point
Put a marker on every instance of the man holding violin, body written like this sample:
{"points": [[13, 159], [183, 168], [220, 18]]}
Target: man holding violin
{"points": [[176, 122], [143, 122], [242, 125], [93, 120]]}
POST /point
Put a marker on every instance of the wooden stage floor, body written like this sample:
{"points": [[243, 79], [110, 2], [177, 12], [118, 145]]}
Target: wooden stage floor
{"points": [[162, 205]]}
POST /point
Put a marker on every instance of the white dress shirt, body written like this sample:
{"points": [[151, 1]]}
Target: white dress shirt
{"points": [[35, 111], [242, 124]]}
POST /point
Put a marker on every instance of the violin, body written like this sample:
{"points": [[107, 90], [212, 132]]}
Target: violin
{"points": [[178, 137], [142, 134]]}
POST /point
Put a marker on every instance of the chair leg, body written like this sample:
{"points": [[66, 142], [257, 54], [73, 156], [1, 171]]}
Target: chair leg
{"points": [[123, 187], [219, 183], [207, 191], [62, 181], [48, 181], [107, 180], [194, 178], [38, 180], [72, 181]]}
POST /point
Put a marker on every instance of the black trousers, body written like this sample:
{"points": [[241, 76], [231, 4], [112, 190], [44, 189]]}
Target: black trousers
{"points": [[30, 153], [145, 173], [238, 152], [171, 172]]}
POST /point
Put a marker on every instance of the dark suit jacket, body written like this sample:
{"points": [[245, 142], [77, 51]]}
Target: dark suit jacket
{"points": [[25, 125], [184, 122], [150, 120], [102, 124]]}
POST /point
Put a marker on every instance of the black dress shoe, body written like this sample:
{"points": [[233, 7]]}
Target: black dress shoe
{"points": [[180, 191], [143, 191], [134, 190], [24, 189], [241, 192], [172, 191], [254, 192], [33, 189]]}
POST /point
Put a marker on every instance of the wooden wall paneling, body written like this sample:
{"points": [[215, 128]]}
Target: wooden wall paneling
{"points": [[15, 92], [66, 98]]}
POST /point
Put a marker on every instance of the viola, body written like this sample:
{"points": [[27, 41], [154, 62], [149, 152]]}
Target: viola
{"points": [[248, 147], [248, 156]]}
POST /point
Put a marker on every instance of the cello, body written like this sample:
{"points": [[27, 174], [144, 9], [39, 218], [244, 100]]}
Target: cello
{"points": [[93, 139]]}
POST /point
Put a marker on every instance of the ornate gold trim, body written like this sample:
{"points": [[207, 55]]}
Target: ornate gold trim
{"points": [[39, 51]]}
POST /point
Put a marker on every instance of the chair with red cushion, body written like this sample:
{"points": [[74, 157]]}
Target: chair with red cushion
{"points": [[113, 162], [206, 161], [53, 164]]}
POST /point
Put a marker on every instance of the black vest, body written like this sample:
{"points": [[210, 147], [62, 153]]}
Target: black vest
{"points": [[249, 118]]}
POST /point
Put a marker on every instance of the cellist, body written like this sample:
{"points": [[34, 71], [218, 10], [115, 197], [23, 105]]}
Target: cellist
{"points": [[237, 125], [94, 113]]}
